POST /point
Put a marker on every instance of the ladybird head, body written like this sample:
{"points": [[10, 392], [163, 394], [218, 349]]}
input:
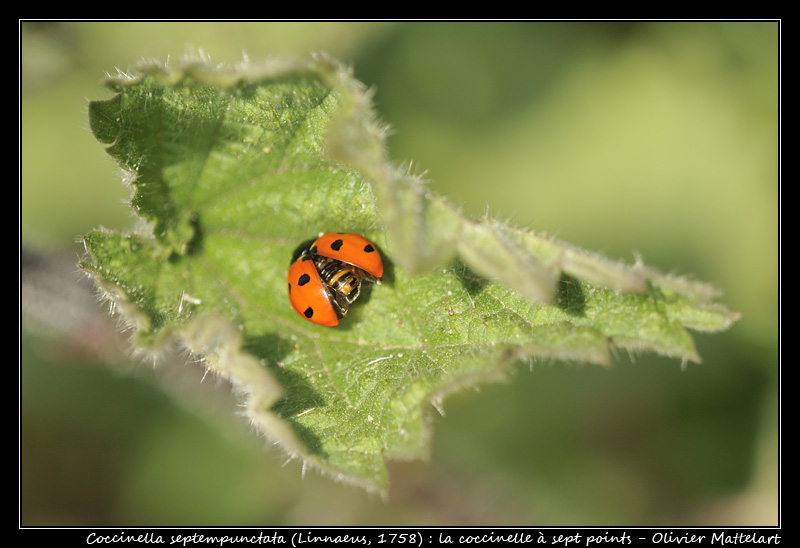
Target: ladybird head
{"points": [[302, 249]]}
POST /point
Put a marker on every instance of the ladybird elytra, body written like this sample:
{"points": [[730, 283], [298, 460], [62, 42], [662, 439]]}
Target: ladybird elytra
{"points": [[352, 249], [308, 295]]}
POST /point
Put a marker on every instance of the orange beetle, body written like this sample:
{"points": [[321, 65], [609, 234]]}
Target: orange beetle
{"points": [[325, 277]]}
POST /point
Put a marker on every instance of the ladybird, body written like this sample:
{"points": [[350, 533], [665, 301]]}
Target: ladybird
{"points": [[325, 277]]}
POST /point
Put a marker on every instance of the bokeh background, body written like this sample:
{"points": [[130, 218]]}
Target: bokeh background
{"points": [[658, 138]]}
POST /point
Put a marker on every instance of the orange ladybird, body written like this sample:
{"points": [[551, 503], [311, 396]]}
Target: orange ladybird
{"points": [[325, 277]]}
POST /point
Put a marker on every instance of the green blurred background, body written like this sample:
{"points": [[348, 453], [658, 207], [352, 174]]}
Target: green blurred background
{"points": [[659, 138]]}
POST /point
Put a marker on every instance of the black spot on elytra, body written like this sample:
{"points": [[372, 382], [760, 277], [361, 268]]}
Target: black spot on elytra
{"points": [[337, 245], [368, 249], [303, 280], [308, 312]]}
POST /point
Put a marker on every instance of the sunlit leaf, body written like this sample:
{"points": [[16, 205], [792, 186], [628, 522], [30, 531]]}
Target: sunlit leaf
{"points": [[233, 167]]}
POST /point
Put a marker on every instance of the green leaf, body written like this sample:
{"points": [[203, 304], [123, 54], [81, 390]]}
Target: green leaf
{"points": [[232, 168]]}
